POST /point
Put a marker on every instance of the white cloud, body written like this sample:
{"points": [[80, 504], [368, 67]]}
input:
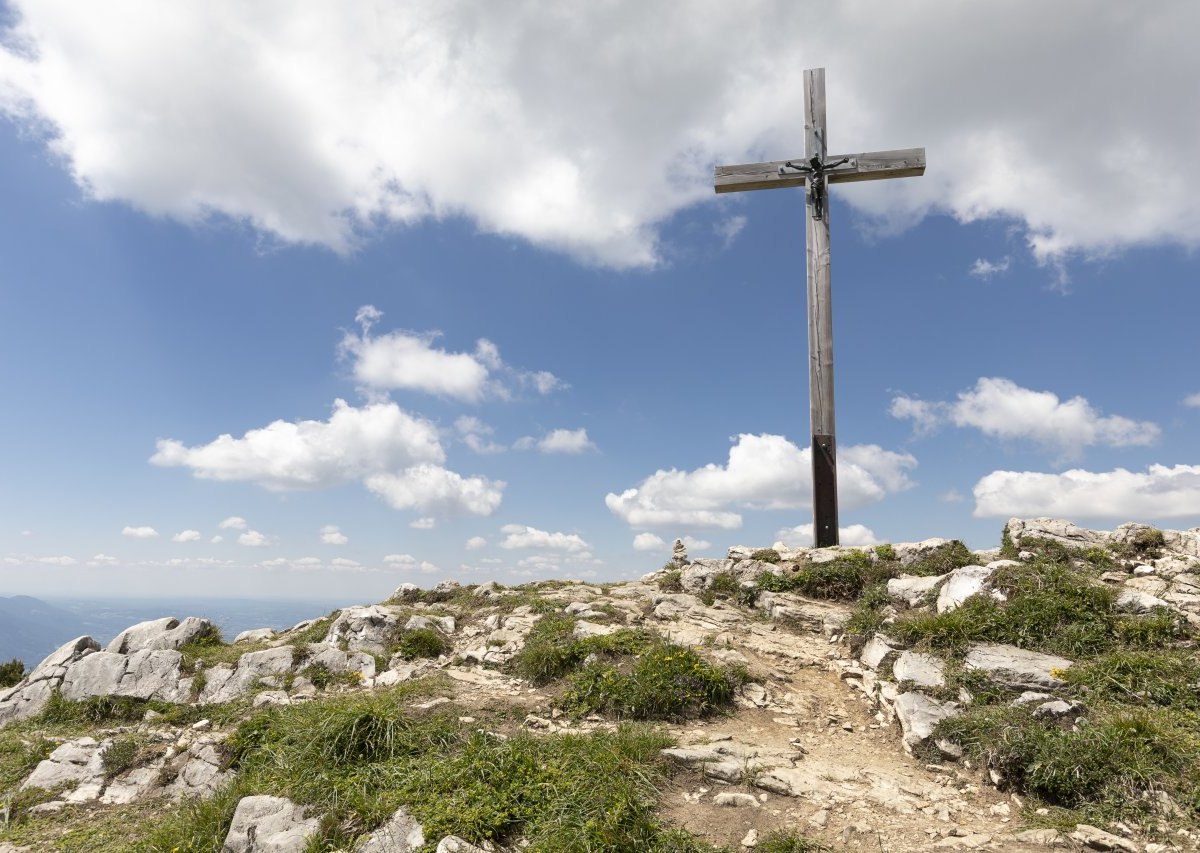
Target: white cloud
{"points": [[557, 441], [951, 496], [763, 472], [1192, 400], [423, 523], [474, 434], [985, 269], [728, 229], [648, 542], [801, 536], [693, 544], [353, 443], [332, 535], [475, 543], [218, 539], [254, 539], [409, 361], [30, 532], [400, 560], [186, 536], [139, 532], [58, 561], [434, 490], [234, 522], [319, 123], [344, 563], [999, 408], [523, 536], [1160, 492], [103, 560]]}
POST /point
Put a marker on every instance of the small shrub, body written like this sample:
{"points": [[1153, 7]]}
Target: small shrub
{"points": [[1101, 558], [868, 616], [671, 580], [666, 682], [945, 558], [420, 643], [723, 585], [1170, 679], [119, 756], [11, 673], [885, 552], [1103, 768], [1145, 544], [314, 633], [843, 578], [552, 650], [765, 555]]}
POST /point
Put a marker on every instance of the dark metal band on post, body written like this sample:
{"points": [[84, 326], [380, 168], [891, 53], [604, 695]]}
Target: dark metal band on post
{"points": [[825, 503]]}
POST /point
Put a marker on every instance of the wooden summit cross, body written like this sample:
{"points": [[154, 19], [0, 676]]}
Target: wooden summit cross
{"points": [[818, 170]]}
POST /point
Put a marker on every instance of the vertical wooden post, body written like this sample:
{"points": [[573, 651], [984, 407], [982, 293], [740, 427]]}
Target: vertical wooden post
{"points": [[820, 319]]}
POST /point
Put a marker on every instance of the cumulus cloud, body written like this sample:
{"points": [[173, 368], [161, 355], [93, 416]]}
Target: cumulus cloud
{"points": [[254, 539], [557, 441], [234, 522], [402, 360], [436, 491], [1159, 492], [999, 408], [801, 536], [58, 561], [139, 532], [344, 563], [216, 540], [474, 434], [331, 534], [104, 560], [423, 523], [186, 536], [283, 455], [693, 544], [763, 472], [1192, 400], [318, 123], [523, 536], [648, 542], [475, 543], [985, 269]]}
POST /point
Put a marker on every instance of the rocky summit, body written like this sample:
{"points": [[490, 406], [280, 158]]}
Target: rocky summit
{"points": [[1042, 695]]}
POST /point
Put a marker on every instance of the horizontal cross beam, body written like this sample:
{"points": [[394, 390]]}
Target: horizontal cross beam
{"points": [[873, 166]]}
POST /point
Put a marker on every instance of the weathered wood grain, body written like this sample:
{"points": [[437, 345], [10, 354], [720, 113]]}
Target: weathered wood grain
{"points": [[869, 166]]}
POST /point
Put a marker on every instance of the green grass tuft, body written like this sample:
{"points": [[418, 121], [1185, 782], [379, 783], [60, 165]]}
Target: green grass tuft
{"points": [[671, 580], [665, 682], [765, 555], [415, 643], [552, 650], [11, 673]]}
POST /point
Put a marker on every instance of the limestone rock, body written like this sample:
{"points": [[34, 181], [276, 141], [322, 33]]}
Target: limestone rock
{"points": [[912, 589], [30, 695], [1132, 601], [401, 834], [454, 844], [264, 824], [74, 763], [167, 633], [255, 635], [1017, 667], [918, 714], [921, 669], [1056, 529], [876, 652], [364, 629], [197, 771], [962, 584], [1098, 839]]}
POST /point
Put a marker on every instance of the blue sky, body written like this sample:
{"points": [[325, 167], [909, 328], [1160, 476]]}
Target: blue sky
{"points": [[185, 257]]}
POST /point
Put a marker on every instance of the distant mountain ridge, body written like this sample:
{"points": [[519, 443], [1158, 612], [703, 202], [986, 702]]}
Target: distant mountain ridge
{"points": [[31, 628]]}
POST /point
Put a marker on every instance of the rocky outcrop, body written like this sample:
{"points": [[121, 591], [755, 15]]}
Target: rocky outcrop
{"points": [[269, 825]]}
